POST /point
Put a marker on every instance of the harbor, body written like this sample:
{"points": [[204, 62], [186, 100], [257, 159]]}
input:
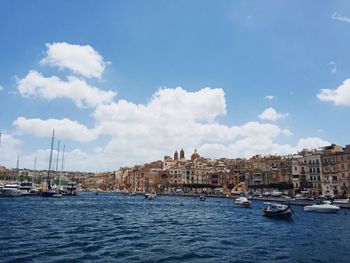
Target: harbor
{"points": [[125, 228]]}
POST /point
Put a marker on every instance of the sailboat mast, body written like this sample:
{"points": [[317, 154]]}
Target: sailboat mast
{"points": [[34, 170], [59, 180], [58, 153], [48, 173], [17, 169]]}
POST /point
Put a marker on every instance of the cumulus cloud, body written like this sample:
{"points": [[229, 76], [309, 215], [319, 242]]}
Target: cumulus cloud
{"points": [[269, 97], [271, 114], [339, 96], [311, 143], [176, 118], [9, 149], [83, 95], [81, 59], [337, 17], [65, 128]]}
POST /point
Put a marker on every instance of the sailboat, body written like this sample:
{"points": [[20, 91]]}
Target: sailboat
{"points": [[50, 191], [12, 188]]}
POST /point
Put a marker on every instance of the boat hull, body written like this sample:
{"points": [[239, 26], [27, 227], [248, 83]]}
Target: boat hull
{"points": [[285, 213], [10, 192], [321, 210]]}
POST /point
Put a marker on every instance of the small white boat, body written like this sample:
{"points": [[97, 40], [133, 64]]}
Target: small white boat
{"points": [[326, 207], [57, 195], [276, 194], [341, 201], [151, 196], [242, 202]]}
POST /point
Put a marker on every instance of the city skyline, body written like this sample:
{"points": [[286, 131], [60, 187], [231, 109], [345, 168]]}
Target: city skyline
{"points": [[229, 79]]}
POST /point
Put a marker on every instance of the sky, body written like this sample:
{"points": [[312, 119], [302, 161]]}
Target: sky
{"points": [[128, 82]]}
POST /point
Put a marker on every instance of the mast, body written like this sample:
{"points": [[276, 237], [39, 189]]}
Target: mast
{"points": [[58, 153], [17, 169], [48, 172], [34, 170], [59, 178]]}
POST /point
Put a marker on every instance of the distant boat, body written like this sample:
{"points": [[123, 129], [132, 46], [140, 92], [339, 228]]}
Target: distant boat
{"points": [[243, 202], [10, 190], [274, 210], [276, 194], [326, 207], [202, 198], [72, 189], [152, 196], [341, 201]]}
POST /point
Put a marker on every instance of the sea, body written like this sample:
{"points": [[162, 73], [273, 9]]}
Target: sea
{"points": [[111, 227]]}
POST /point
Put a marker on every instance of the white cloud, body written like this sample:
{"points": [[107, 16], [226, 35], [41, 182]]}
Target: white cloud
{"points": [[334, 67], [335, 16], [311, 143], [339, 96], [271, 114], [269, 97], [80, 59], [83, 95], [65, 129], [9, 149], [1, 88], [176, 118]]}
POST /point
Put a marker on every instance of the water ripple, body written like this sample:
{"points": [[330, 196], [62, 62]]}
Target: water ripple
{"points": [[116, 228]]}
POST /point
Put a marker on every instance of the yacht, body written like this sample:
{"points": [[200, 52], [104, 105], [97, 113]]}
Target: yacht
{"points": [[11, 189], [325, 207], [243, 202], [341, 201], [274, 210], [72, 188]]}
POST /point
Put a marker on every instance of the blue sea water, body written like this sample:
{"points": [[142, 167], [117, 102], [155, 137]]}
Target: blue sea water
{"points": [[120, 228]]}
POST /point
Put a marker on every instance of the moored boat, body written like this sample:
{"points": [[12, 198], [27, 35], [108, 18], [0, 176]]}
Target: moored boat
{"points": [[326, 207], [202, 198], [10, 189], [72, 189], [151, 196], [341, 201], [242, 202], [274, 210]]}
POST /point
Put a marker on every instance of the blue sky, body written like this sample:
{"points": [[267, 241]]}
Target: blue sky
{"points": [[158, 57]]}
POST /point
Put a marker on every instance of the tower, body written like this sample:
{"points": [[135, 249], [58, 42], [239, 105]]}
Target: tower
{"points": [[182, 154], [176, 156]]}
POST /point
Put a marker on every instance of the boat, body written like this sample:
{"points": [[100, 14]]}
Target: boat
{"points": [[341, 201], [11, 189], [266, 194], [325, 207], [276, 194], [27, 188], [202, 198], [275, 210], [50, 191], [151, 196], [243, 202], [72, 189]]}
